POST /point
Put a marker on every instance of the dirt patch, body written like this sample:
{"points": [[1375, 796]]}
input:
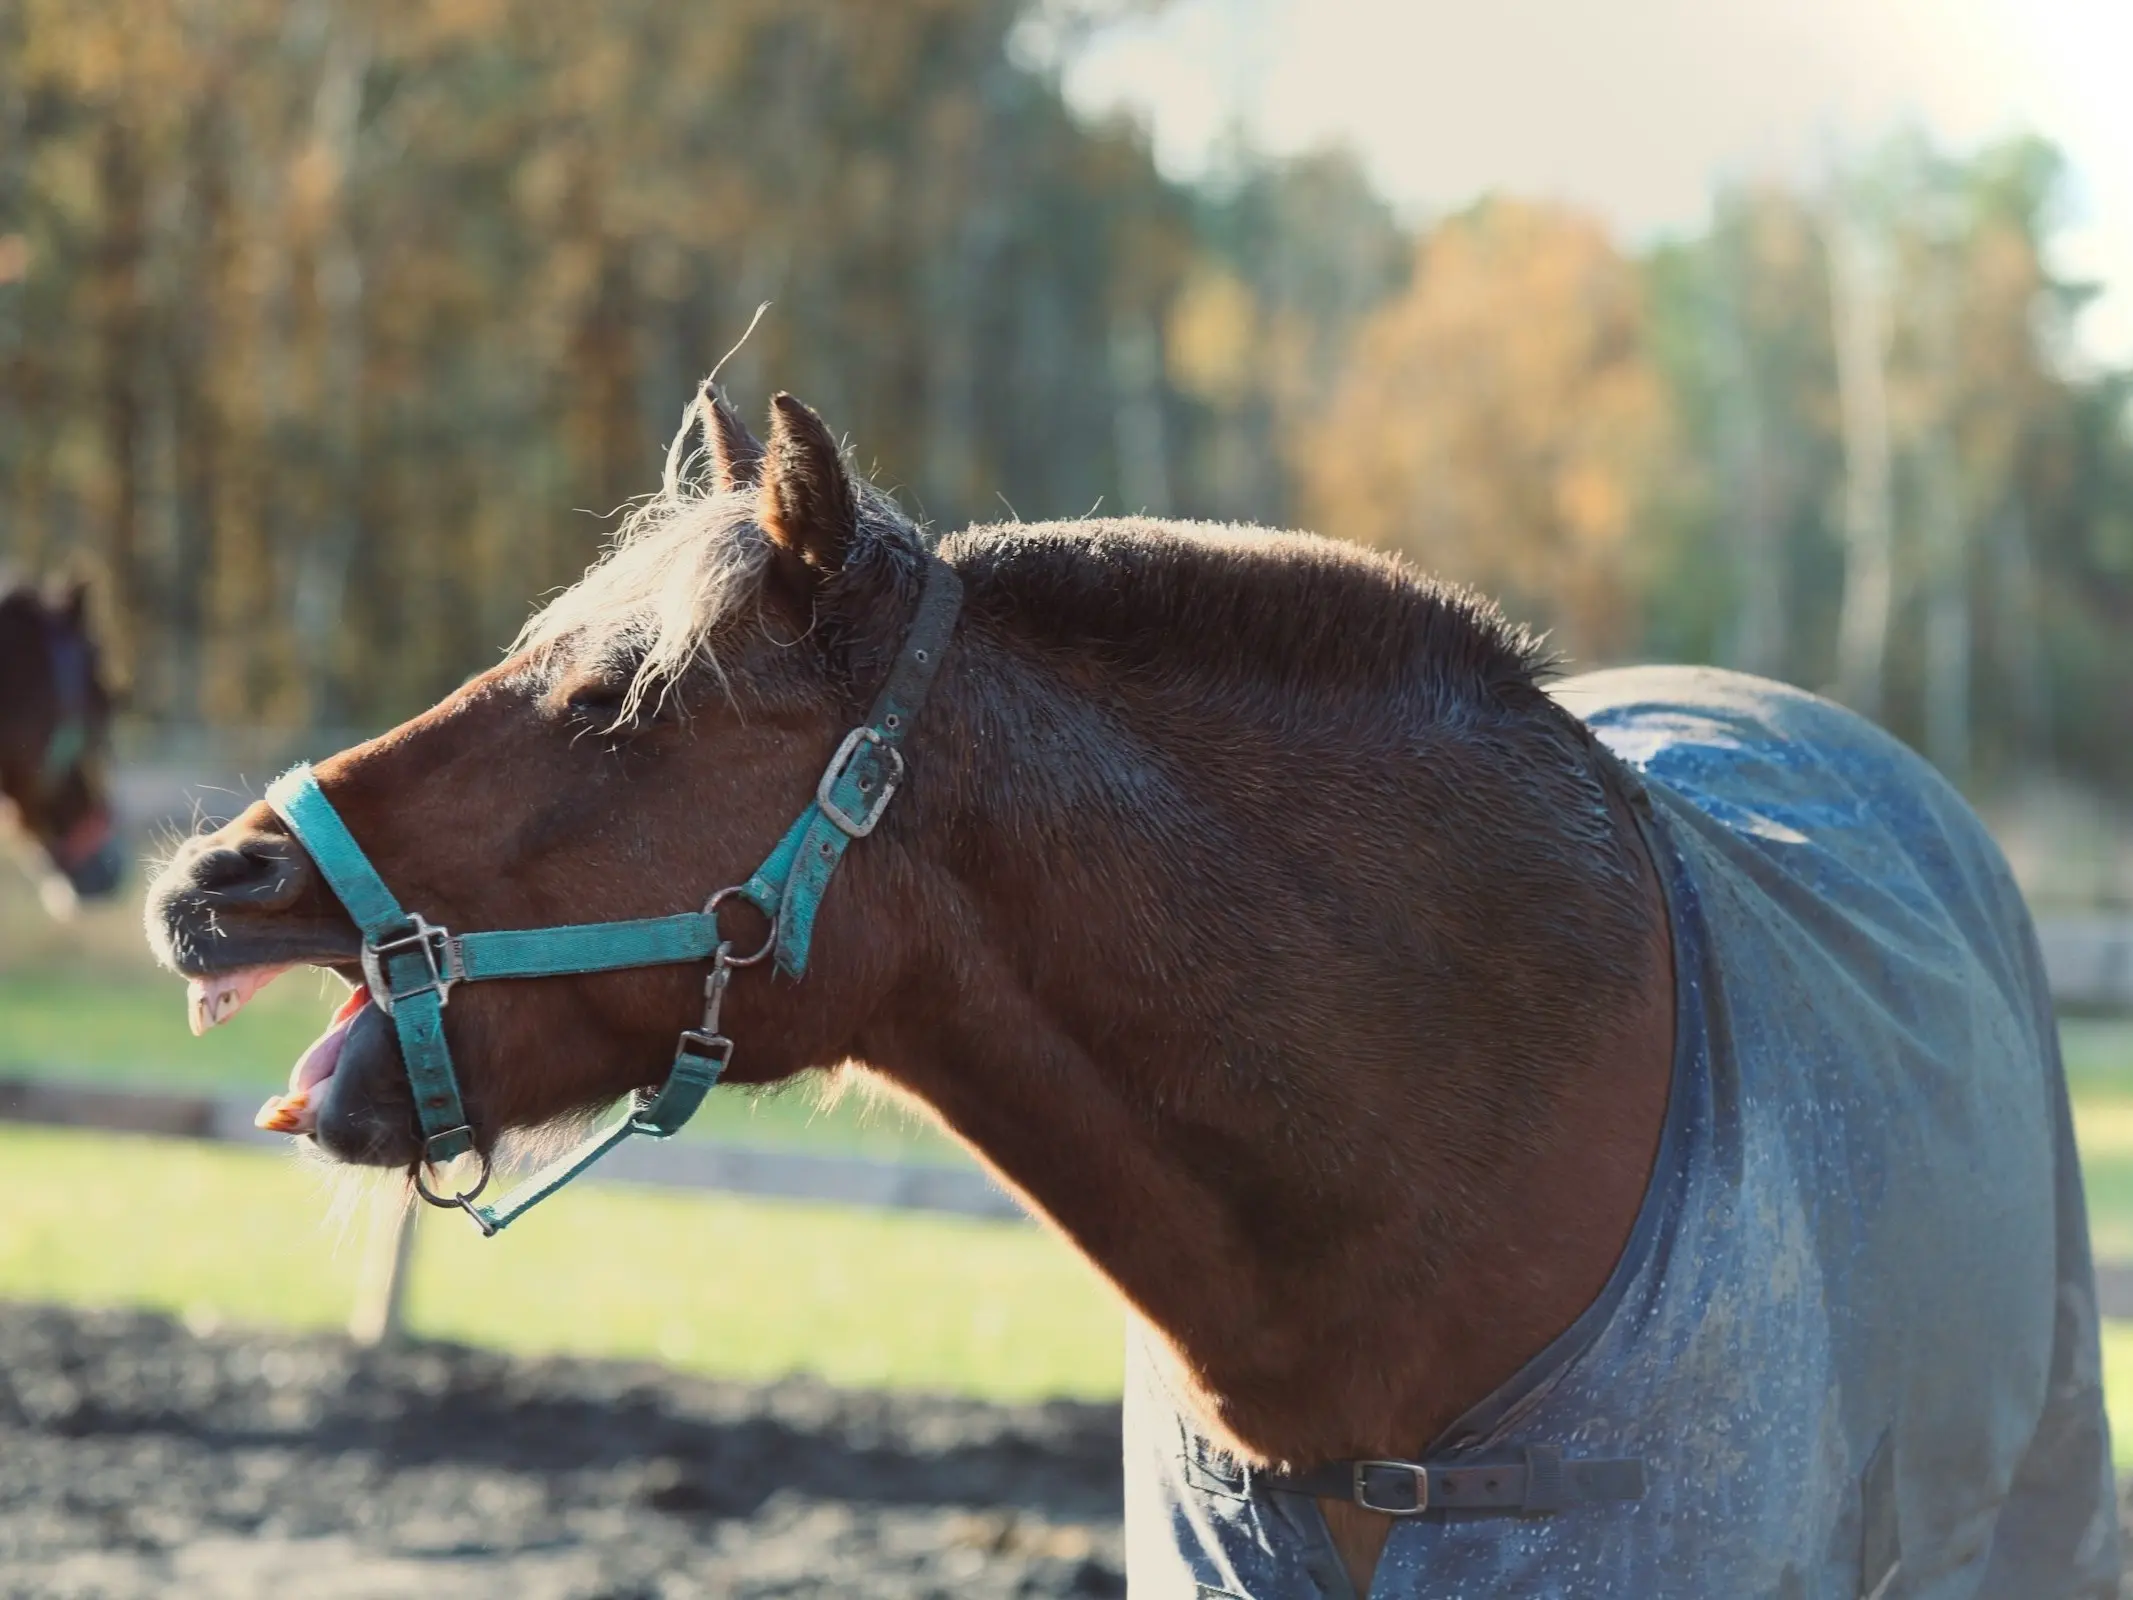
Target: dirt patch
{"points": [[140, 1459]]}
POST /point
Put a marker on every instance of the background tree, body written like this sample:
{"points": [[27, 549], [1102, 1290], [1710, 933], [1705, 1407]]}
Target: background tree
{"points": [[1502, 421], [330, 333], [1741, 329]]}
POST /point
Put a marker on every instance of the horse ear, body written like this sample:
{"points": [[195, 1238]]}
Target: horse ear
{"points": [[805, 503], [736, 454]]}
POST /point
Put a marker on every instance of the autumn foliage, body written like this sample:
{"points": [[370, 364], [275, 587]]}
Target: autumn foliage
{"points": [[1501, 421], [332, 332]]}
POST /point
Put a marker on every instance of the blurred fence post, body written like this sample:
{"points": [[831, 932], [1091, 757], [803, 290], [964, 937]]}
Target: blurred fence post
{"points": [[381, 1291]]}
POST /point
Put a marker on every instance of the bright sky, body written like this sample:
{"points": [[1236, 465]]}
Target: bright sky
{"points": [[1632, 108]]}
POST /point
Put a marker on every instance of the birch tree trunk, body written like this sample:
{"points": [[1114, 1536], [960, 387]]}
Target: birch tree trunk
{"points": [[1944, 515], [194, 340], [1945, 548], [329, 552], [1944, 529], [14, 279], [1143, 450], [1858, 294], [1761, 611], [120, 323], [957, 279], [2021, 634]]}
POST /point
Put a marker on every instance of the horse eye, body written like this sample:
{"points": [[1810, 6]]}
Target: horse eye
{"points": [[599, 701]]}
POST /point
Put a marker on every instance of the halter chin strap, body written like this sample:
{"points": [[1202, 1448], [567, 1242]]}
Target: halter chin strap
{"points": [[412, 965]]}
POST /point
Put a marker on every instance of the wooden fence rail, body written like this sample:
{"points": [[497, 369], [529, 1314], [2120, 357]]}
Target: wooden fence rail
{"points": [[381, 1280], [674, 1164], [2089, 960]]}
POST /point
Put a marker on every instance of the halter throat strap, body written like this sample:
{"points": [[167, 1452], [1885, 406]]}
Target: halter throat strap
{"points": [[411, 965]]}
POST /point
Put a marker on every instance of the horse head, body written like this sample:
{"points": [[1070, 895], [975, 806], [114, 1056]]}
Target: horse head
{"points": [[641, 748], [54, 732]]}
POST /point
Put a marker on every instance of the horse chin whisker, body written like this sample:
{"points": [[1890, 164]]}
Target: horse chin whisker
{"points": [[163, 841], [349, 1194]]}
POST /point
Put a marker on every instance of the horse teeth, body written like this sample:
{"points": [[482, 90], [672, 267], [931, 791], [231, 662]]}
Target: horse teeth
{"points": [[285, 1114], [213, 1000]]}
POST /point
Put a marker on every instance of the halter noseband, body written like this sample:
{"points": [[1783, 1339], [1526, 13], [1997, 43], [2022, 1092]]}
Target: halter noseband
{"points": [[411, 965]]}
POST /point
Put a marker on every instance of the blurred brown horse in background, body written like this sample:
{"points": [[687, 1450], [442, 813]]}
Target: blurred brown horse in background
{"points": [[55, 715]]}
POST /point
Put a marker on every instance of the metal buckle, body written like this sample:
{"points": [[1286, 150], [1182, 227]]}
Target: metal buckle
{"points": [[430, 1144], [711, 1046], [438, 948], [859, 827], [715, 1048], [1421, 1477]]}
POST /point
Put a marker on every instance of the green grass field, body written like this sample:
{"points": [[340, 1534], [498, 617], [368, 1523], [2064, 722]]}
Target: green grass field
{"points": [[724, 1285], [728, 1286], [736, 1287]]}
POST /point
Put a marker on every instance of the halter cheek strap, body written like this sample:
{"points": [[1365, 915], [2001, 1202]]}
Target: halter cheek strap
{"points": [[411, 965], [860, 780], [71, 679]]}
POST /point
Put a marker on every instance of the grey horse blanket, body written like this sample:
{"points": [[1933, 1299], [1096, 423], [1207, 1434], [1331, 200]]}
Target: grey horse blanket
{"points": [[1853, 1335]]}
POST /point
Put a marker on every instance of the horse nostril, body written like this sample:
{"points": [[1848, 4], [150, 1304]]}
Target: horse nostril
{"points": [[225, 868], [255, 872]]}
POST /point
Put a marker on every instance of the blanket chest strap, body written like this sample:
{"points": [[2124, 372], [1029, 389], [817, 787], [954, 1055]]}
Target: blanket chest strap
{"points": [[1540, 1480]]}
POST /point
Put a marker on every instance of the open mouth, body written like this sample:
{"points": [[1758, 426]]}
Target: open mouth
{"points": [[213, 1000]]}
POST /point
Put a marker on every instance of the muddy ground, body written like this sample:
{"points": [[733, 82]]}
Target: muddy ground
{"points": [[139, 1459]]}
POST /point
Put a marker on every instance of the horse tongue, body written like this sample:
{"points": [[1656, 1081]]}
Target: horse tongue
{"points": [[292, 1112]]}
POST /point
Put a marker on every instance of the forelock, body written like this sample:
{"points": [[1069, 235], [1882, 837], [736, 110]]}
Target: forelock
{"points": [[681, 565]]}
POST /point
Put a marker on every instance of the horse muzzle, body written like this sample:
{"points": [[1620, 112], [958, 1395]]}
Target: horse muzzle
{"points": [[241, 899], [90, 856], [233, 911]]}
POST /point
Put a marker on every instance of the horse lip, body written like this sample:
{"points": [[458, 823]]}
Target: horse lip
{"points": [[365, 1114], [228, 945]]}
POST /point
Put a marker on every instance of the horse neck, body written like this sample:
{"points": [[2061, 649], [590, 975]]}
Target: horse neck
{"points": [[1205, 1007]]}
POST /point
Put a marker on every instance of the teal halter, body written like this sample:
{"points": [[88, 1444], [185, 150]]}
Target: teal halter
{"points": [[411, 965]]}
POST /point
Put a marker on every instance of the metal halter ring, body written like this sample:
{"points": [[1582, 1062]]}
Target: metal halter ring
{"points": [[462, 1201], [770, 939]]}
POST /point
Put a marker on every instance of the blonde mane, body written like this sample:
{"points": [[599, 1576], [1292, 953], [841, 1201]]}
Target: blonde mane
{"points": [[681, 564]]}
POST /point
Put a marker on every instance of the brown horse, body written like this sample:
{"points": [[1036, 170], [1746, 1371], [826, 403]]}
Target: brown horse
{"points": [[1249, 908], [54, 726]]}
